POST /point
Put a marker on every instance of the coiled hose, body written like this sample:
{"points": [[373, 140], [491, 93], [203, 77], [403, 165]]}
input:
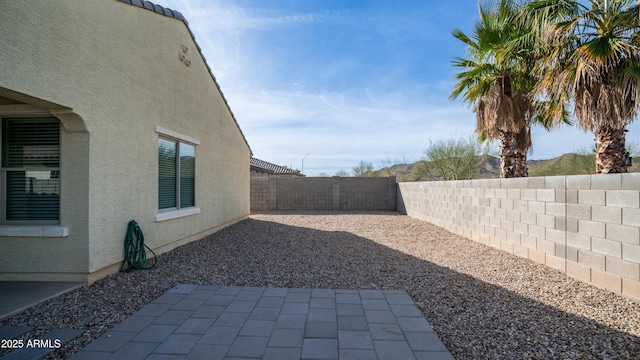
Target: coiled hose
{"points": [[135, 255]]}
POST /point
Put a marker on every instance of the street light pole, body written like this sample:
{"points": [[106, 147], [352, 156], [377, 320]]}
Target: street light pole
{"points": [[302, 171]]}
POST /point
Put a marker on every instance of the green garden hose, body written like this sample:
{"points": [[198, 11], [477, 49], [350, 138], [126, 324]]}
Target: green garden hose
{"points": [[135, 255]]}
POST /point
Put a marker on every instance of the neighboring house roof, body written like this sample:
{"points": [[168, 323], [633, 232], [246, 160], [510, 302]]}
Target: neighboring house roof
{"points": [[271, 168], [178, 16]]}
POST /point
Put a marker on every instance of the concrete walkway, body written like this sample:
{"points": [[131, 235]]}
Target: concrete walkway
{"points": [[16, 296], [222, 322]]}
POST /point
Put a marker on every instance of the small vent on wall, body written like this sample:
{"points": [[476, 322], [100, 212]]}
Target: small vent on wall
{"points": [[182, 55]]}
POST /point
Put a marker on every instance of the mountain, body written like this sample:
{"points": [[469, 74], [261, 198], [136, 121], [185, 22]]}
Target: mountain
{"points": [[567, 164]]}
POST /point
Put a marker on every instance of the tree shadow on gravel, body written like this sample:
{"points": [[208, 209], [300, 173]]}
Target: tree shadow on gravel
{"points": [[473, 318]]}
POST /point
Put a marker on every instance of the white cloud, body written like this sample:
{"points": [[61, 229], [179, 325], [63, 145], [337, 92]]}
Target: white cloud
{"points": [[339, 129], [382, 112]]}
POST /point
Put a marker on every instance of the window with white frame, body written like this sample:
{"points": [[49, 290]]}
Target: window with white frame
{"points": [[30, 171], [176, 174]]}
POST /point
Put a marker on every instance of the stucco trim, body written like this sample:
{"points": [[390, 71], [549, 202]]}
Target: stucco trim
{"points": [[36, 103], [174, 214], [176, 135], [22, 110], [34, 231]]}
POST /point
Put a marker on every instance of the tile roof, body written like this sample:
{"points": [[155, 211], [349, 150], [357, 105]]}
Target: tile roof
{"points": [[272, 168], [178, 16], [157, 8]]}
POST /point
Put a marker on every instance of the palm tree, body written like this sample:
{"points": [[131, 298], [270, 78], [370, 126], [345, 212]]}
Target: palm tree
{"points": [[593, 63], [497, 80]]}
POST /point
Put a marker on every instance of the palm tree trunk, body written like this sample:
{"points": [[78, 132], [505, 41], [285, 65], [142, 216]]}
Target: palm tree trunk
{"points": [[523, 139], [508, 163], [522, 169], [611, 154]]}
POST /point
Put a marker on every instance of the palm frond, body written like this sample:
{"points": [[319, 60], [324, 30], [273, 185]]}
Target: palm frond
{"points": [[593, 58], [460, 35]]}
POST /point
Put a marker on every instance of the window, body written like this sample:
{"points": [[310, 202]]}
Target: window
{"points": [[30, 171], [176, 174]]}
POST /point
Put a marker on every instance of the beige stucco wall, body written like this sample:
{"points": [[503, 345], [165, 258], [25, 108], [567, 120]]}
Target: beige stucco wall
{"points": [[117, 68]]}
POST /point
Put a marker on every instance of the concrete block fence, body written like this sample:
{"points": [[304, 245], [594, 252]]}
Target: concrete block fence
{"points": [[587, 226], [323, 193]]}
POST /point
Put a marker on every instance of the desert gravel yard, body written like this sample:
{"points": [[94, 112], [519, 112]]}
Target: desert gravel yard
{"points": [[483, 303]]}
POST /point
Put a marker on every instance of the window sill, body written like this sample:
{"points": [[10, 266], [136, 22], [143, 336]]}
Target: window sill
{"points": [[174, 214], [34, 231]]}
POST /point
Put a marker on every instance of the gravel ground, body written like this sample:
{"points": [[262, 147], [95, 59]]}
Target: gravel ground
{"points": [[483, 303]]}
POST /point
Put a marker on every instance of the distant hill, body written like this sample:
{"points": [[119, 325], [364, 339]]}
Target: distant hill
{"points": [[491, 169], [567, 164]]}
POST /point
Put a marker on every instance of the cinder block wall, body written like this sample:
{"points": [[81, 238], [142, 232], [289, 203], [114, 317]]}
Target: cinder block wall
{"points": [[587, 226], [324, 193], [259, 193], [311, 193], [366, 193]]}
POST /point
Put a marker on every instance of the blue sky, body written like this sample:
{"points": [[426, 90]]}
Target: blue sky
{"points": [[345, 81]]}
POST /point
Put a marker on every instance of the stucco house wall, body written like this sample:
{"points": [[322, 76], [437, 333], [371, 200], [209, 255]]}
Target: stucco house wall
{"points": [[117, 76]]}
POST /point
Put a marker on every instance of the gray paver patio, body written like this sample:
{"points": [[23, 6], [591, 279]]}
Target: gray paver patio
{"points": [[226, 322]]}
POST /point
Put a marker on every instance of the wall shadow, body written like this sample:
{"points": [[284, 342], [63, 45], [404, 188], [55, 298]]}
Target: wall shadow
{"points": [[488, 318], [474, 318]]}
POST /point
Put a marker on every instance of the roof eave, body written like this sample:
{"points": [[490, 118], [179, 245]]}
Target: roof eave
{"points": [[158, 9]]}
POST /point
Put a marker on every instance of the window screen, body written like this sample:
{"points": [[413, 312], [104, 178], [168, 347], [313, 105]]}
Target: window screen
{"points": [[31, 169]]}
